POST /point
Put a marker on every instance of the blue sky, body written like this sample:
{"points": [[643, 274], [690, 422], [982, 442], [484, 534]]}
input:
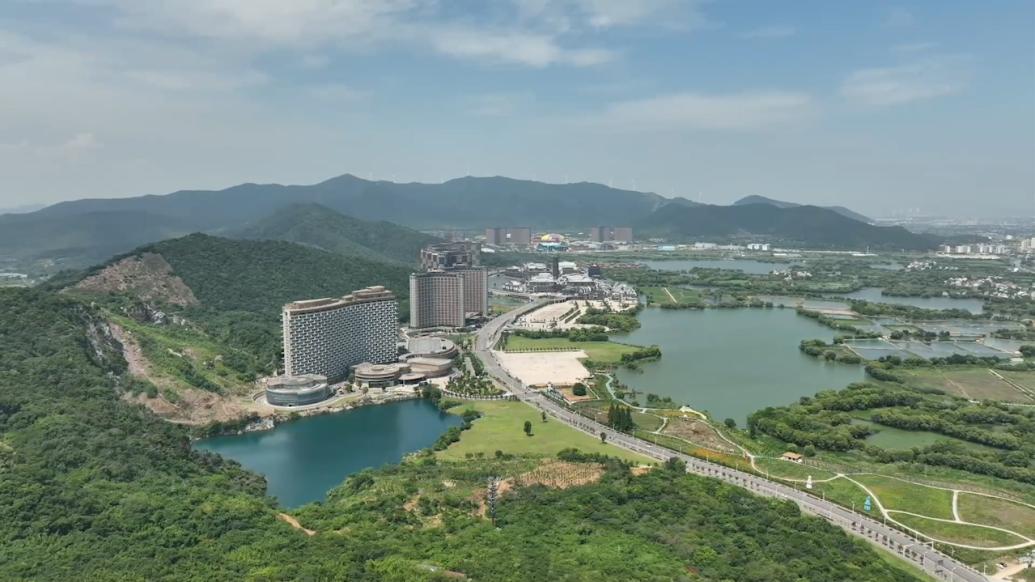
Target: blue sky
{"points": [[886, 107]]}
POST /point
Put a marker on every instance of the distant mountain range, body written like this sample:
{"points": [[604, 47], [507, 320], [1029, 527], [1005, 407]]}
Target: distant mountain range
{"points": [[754, 199], [83, 232]]}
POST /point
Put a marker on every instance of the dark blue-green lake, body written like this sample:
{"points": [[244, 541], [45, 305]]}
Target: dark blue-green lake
{"points": [[304, 459]]}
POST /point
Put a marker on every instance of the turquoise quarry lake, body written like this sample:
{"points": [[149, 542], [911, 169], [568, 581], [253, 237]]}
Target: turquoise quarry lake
{"points": [[732, 362], [304, 459]]}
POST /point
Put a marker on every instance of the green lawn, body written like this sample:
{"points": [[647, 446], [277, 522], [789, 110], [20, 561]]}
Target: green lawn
{"points": [[846, 493], [781, 468], [896, 494], [500, 428], [604, 352], [959, 533], [998, 512], [681, 295]]}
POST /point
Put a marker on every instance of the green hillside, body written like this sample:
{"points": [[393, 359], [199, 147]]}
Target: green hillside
{"points": [[236, 289], [94, 488], [263, 275], [318, 226], [805, 226], [754, 199]]}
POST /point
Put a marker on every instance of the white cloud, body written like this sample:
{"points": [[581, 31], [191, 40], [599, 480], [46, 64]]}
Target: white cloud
{"points": [[535, 33], [534, 50], [771, 32], [914, 81], [682, 111]]}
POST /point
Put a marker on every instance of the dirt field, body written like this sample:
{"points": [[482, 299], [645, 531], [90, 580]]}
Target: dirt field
{"points": [[542, 368], [698, 432]]}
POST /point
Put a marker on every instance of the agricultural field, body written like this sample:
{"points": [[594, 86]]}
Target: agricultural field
{"points": [[972, 383], [500, 428], [606, 352]]}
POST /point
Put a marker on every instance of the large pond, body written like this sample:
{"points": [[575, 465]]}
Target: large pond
{"points": [[731, 362], [874, 294], [304, 459], [749, 266]]}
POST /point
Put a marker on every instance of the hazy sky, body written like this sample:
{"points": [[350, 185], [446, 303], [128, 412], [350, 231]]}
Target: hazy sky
{"points": [[880, 106]]}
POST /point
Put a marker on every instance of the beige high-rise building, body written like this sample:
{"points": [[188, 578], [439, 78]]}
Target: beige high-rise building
{"points": [[509, 235], [476, 290], [437, 299], [611, 234], [327, 336], [460, 258]]}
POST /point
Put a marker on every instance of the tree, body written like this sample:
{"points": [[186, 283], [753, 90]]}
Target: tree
{"points": [[730, 423], [528, 428], [579, 389], [603, 437], [543, 413]]}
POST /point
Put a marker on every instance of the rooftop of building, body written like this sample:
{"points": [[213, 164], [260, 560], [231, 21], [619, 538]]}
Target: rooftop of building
{"points": [[368, 294]]}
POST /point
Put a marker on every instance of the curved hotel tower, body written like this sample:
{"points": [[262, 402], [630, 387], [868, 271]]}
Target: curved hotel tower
{"points": [[327, 336], [437, 299]]}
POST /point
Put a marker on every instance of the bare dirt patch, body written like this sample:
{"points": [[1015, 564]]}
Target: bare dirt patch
{"points": [[290, 520], [700, 433], [147, 276]]}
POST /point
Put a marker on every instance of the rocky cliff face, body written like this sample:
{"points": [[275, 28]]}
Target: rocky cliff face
{"points": [[146, 276]]}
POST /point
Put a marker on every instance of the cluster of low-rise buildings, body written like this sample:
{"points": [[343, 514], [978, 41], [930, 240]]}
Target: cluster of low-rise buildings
{"points": [[993, 287]]}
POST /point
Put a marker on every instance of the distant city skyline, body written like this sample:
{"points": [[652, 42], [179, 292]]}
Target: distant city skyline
{"points": [[882, 107]]}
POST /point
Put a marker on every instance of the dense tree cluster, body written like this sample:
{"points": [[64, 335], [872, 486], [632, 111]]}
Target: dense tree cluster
{"points": [[616, 322], [620, 418], [825, 421]]}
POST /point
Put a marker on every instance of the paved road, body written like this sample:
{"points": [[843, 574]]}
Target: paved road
{"points": [[934, 562]]}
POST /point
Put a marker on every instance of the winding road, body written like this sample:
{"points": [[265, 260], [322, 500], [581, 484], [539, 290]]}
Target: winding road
{"points": [[903, 545]]}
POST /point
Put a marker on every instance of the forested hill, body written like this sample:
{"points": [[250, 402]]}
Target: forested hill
{"points": [[251, 275], [95, 488], [783, 204], [318, 226], [805, 226]]}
